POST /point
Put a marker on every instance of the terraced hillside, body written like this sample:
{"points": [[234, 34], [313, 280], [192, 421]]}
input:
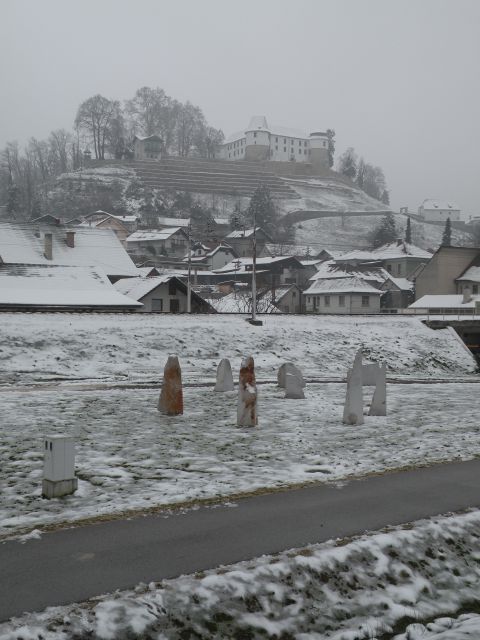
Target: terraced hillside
{"points": [[209, 176]]}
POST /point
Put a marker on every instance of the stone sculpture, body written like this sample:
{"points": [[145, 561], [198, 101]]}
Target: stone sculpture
{"points": [[288, 367], [171, 396], [247, 395], [379, 400], [224, 376], [294, 386], [353, 410]]}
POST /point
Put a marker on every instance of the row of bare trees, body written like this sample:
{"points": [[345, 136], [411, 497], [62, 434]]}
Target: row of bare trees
{"points": [[110, 128], [367, 177], [107, 129]]}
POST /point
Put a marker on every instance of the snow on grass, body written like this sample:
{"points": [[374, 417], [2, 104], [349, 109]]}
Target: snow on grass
{"points": [[406, 584], [129, 456], [43, 347]]}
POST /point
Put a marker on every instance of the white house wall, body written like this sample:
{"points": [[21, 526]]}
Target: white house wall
{"points": [[353, 304], [161, 292]]}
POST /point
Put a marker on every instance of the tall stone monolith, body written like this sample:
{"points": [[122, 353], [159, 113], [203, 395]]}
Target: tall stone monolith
{"points": [[288, 367], [171, 395], [379, 400], [353, 410], [247, 395], [293, 387], [224, 376]]}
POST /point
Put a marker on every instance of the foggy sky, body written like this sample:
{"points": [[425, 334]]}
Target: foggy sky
{"points": [[397, 79]]}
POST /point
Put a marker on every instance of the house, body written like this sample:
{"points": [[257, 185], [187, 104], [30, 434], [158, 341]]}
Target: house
{"points": [[399, 293], [162, 294], [148, 147], [210, 259], [39, 244], [36, 287], [347, 295], [103, 220], [241, 241], [432, 210], [446, 266], [271, 272], [469, 280], [164, 222], [399, 258], [170, 242], [288, 298]]}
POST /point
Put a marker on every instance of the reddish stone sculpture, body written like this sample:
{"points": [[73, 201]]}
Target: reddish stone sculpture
{"points": [[247, 395], [171, 396]]}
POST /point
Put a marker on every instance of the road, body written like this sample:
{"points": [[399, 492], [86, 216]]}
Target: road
{"points": [[71, 565]]}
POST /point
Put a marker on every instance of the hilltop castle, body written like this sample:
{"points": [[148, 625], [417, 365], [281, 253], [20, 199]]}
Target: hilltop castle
{"points": [[260, 142]]}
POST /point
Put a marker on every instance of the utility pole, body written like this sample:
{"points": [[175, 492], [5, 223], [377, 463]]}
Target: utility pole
{"points": [[253, 319], [189, 284]]}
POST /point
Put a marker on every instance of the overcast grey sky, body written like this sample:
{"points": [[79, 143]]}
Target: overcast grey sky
{"points": [[397, 79]]}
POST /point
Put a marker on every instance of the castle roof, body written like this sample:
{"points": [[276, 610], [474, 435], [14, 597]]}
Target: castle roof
{"points": [[259, 123], [431, 203]]}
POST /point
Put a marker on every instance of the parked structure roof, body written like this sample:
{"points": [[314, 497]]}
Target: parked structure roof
{"points": [[25, 244], [44, 285]]}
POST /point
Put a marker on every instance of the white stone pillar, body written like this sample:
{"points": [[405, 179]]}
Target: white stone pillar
{"points": [[353, 410], [224, 376], [379, 400]]}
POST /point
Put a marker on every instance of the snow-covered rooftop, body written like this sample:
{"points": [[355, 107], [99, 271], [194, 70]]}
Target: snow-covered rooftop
{"points": [[173, 222], [259, 123], [160, 234], [59, 286], [433, 204], [390, 251], [25, 244], [341, 285], [402, 283], [471, 274], [137, 288], [447, 301], [244, 264], [332, 269], [241, 233]]}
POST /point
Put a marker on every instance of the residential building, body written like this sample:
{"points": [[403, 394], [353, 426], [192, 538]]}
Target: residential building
{"points": [[399, 293], [162, 294], [241, 241], [399, 258], [260, 142], [169, 242], [447, 304], [28, 244], [432, 210], [350, 295], [440, 273], [103, 220], [271, 272], [148, 147], [288, 298], [210, 259], [33, 287]]}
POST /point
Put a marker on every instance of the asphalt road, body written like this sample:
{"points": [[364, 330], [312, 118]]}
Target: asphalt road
{"points": [[74, 564]]}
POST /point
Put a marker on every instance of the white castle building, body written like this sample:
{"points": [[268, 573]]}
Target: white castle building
{"points": [[260, 142]]}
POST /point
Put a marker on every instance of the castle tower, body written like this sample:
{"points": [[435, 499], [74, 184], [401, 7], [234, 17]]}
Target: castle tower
{"points": [[257, 143], [319, 150]]}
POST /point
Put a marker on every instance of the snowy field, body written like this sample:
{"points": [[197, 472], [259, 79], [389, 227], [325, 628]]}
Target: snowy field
{"points": [[131, 348], [129, 456], [404, 584]]}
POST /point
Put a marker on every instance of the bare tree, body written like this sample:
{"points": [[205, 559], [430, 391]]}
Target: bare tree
{"points": [[95, 116]]}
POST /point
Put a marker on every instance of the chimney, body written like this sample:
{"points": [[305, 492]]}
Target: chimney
{"points": [[70, 239], [48, 246], [467, 295]]}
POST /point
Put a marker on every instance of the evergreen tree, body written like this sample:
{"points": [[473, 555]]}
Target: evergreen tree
{"points": [[386, 231], [331, 146], [386, 197], [408, 232], [262, 208], [447, 234]]}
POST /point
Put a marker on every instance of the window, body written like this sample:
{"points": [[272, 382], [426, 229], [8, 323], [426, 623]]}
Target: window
{"points": [[276, 147], [341, 301], [254, 134], [276, 139], [399, 269], [294, 294], [327, 301], [299, 142], [157, 304], [365, 301], [284, 148], [324, 143], [172, 289], [308, 299], [475, 289], [389, 268], [284, 141]]}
